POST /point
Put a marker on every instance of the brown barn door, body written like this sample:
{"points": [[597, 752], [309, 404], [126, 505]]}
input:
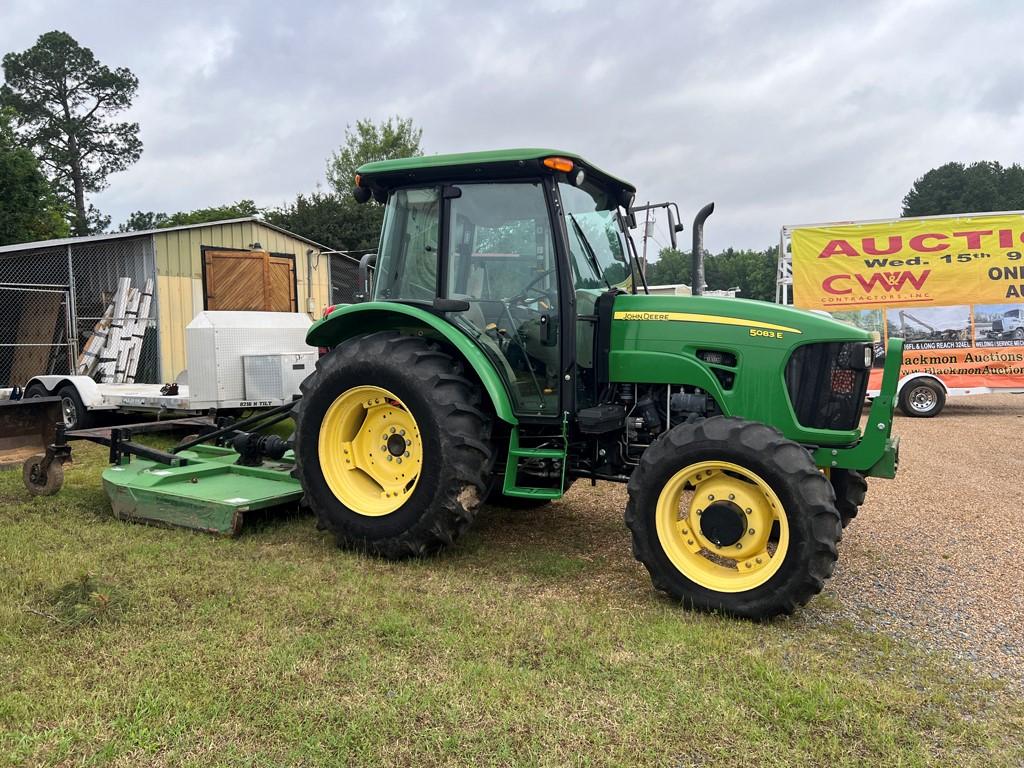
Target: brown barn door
{"points": [[281, 284], [249, 280]]}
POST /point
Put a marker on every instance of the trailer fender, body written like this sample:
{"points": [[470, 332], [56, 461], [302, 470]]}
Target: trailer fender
{"points": [[354, 319], [920, 375], [88, 390]]}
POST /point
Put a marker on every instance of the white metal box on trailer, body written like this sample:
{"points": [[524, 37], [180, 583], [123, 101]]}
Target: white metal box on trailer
{"points": [[217, 343], [277, 376]]}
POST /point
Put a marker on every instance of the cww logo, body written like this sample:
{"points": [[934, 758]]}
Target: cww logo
{"points": [[888, 282]]}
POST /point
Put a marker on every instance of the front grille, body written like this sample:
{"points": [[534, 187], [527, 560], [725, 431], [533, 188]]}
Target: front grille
{"points": [[827, 384]]}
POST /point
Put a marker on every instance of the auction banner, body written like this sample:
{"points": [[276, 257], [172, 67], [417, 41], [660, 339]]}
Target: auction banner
{"points": [[952, 288]]}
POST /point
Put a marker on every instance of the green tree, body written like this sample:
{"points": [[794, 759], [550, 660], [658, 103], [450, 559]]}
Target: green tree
{"points": [[367, 142], [143, 220], [330, 219], [672, 268], [140, 221], [753, 272], [334, 218], [64, 101], [959, 188], [240, 210], [28, 208]]}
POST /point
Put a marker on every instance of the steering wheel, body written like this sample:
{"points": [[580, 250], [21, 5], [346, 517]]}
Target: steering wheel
{"points": [[531, 287]]}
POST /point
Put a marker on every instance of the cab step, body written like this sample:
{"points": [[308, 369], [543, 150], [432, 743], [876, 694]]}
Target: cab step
{"points": [[517, 452]]}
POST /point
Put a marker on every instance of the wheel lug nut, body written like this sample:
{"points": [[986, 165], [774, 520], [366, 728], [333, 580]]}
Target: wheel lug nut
{"points": [[407, 454], [748, 510], [748, 565], [389, 457], [398, 461], [690, 542], [685, 531], [759, 560], [401, 432], [732, 496], [699, 511], [711, 497], [739, 545], [750, 532], [392, 430]]}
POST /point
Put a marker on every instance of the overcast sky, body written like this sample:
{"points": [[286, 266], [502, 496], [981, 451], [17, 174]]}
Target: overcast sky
{"points": [[782, 113]]}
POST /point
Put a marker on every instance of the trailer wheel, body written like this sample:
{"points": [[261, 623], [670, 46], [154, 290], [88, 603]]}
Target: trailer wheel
{"points": [[75, 414], [34, 390], [922, 398], [702, 505], [392, 448], [851, 489], [38, 481]]}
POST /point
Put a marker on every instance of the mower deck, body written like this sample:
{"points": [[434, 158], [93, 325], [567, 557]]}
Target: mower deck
{"points": [[209, 493]]}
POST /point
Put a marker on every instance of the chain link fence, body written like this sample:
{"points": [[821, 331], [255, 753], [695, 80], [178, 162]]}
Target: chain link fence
{"points": [[52, 300], [344, 272]]}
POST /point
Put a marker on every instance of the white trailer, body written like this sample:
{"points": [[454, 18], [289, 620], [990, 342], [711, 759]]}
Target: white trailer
{"points": [[236, 360]]}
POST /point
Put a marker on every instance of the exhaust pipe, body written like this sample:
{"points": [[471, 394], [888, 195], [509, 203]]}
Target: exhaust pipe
{"points": [[697, 273]]}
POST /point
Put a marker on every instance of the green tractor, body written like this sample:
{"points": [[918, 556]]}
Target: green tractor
{"points": [[505, 347]]}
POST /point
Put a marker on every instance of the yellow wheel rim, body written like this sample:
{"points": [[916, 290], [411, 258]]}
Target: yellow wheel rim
{"points": [[370, 450], [714, 520]]}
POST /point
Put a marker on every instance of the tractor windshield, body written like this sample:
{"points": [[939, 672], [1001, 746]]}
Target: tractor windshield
{"points": [[596, 246]]}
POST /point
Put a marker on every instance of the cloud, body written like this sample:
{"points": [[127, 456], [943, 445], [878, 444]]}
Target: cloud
{"points": [[781, 113]]}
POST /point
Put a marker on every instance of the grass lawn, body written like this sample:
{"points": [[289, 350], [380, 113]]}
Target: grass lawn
{"points": [[536, 641]]}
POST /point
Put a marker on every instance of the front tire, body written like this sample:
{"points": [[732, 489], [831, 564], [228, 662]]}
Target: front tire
{"points": [[702, 504], [851, 489], [392, 447]]}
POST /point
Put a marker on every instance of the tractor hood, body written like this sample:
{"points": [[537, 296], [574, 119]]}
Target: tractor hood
{"points": [[739, 319]]}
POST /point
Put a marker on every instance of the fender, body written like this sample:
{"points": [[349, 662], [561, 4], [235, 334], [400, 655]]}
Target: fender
{"points": [[87, 389], [920, 375], [351, 319]]}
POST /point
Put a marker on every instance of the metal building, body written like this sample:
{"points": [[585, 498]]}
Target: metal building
{"points": [[54, 293]]}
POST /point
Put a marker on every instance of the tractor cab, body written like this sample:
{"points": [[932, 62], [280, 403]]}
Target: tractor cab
{"points": [[513, 247]]}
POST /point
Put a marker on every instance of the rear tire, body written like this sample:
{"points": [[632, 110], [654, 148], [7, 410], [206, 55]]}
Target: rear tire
{"points": [[424, 391], [757, 476], [851, 489], [34, 390], [922, 398]]}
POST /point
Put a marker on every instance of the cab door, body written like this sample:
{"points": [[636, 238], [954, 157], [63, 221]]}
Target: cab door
{"points": [[502, 261]]}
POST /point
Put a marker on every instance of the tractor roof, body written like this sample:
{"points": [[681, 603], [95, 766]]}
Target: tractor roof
{"points": [[491, 165]]}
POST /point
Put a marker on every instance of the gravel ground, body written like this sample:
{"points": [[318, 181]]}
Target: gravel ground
{"points": [[937, 555]]}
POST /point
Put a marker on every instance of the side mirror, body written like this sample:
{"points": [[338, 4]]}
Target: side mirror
{"points": [[673, 227], [361, 194], [366, 263]]}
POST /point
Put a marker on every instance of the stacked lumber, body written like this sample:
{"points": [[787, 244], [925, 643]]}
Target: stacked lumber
{"points": [[111, 354]]}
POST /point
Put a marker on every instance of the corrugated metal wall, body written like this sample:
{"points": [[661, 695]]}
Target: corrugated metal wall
{"points": [[180, 278]]}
